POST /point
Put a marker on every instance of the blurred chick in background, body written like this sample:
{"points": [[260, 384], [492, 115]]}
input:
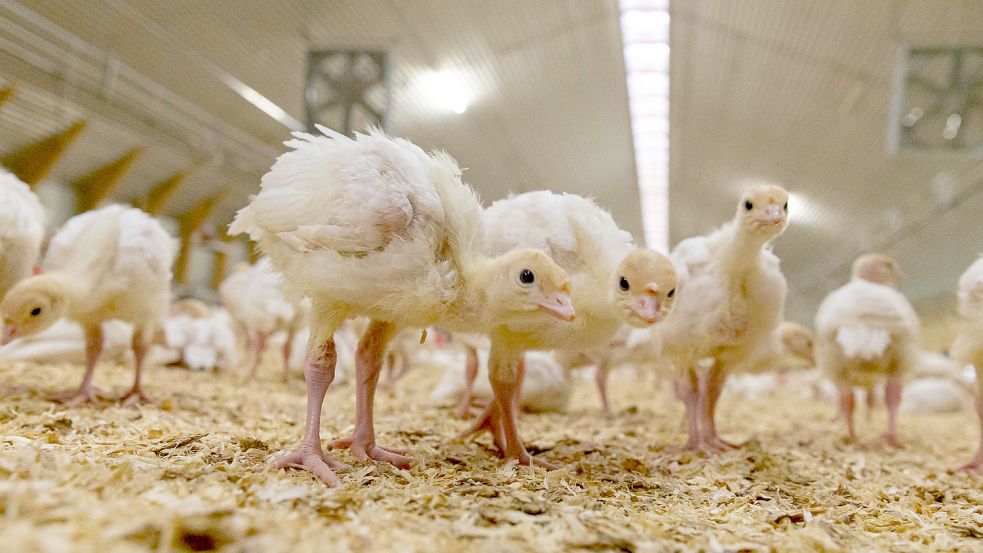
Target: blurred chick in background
{"points": [[866, 333], [257, 300], [968, 346], [22, 223]]}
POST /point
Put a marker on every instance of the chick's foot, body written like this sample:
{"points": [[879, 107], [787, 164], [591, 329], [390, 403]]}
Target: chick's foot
{"points": [[310, 458], [82, 396], [365, 448]]}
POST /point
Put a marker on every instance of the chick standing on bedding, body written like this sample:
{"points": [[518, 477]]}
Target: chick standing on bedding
{"points": [[375, 226], [866, 332], [968, 346], [22, 221], [731, 301], [256, 299], [110, 263], [614, 283]]}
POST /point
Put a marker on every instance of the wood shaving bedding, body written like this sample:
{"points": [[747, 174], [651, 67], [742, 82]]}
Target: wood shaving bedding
{"points": [[186, 474]]}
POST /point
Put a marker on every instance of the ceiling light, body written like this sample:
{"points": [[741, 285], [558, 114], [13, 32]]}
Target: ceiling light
{"points": [[444, 90], [264, 104], [645, 34]]}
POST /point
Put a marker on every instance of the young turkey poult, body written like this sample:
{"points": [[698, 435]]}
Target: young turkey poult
{"points": [[731, 301], [865, 333], [377, 227], [968, 346], [22, 222], [256, 298], [614, 283], [110, 263]]}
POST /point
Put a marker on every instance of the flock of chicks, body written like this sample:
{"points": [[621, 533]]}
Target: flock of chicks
{"points": [[377, 229]]}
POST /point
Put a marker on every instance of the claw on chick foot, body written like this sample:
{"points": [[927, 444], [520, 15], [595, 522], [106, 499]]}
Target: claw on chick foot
{"points": [[81, 396], [363, 450], [135, 397], [314, 462]]}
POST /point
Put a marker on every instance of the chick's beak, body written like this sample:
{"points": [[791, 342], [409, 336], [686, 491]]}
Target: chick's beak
{"points": [[646, 306], [560, 306], [9, 333], [772, 214]]}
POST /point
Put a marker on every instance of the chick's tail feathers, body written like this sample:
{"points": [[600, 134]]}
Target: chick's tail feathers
{"points": [[861, 341]]}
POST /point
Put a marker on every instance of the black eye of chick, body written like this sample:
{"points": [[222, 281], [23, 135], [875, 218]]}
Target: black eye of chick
{"points": [[786, 206], [526, 277], [672, 293], [35, 312], [623, 283], [748, 206]]}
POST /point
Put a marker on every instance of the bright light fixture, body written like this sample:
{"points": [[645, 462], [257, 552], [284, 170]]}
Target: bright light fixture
{"points": [[444, 90], [645, 34]]}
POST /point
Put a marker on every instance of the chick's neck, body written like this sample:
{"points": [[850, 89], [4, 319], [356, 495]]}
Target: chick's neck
{"points": [[742, 252], [472, 309]]}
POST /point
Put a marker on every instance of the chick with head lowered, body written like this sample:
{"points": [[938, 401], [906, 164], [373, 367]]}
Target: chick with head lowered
{"points": [[731, 302], [110, 263], [375, 226]]}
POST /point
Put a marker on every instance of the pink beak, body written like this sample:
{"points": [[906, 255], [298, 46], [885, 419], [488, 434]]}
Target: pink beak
{"points": [[560, 306], [9, 334], [772, 214], [647, 308]]}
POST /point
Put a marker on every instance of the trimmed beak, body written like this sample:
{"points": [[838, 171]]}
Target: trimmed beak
{"points": [[647, 308], [9, 334], [560, 306]]}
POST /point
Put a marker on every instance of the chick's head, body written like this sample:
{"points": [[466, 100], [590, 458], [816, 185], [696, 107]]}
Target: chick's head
{"points": [[644, 287], [797, 340], [527, 282], [879, 269], [763, 210], [31, 306]]}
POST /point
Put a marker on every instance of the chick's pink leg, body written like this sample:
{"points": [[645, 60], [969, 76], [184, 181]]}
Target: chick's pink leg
{"points": [[714, 385], [140, 346], [976, 463], [86, 392], [892, 398], [318, 373], [505, 371], [258, 345], [846, 409], [470, 373], [601, 378], [287, 350], [368, 362], [687, 390]]}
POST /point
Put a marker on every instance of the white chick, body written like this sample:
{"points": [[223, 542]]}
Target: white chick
{"points": [[110, 263], [614, 283], [256, 298], [377, 227], [968, 346], [865, 333], [731, 301], [546, 388], [22, 222]]}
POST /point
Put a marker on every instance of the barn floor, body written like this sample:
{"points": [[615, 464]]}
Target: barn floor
{"points": [[184, 475]]}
